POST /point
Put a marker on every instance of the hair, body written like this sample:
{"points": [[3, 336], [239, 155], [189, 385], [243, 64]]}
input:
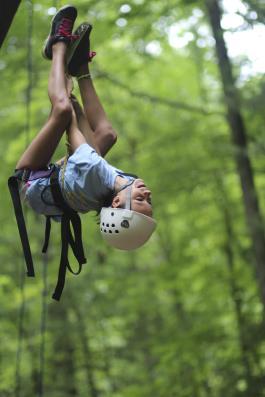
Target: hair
{"points": [[106, 201]]}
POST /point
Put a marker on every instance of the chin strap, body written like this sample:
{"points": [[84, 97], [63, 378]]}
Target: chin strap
{"points": [[125, 186], [128, 193], [128, 198]]}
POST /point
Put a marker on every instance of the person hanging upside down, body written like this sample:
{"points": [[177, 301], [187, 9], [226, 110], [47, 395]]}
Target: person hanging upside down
{"points": [[87, 181]]}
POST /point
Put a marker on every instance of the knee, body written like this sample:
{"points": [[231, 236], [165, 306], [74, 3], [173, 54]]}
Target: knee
{"points": [[112, 135], [62, 109], [107, 133]]}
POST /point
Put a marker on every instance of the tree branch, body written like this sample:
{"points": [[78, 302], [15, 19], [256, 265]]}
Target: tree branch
{"points": [[154, 99]]}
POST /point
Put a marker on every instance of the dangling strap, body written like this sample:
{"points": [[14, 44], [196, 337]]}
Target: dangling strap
{"points": [[65, 226], [47, 234], [67, 239], [76, 242], [14, 191]]}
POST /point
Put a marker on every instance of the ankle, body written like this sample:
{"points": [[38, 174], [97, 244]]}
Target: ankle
{"points": [[59, 46]]}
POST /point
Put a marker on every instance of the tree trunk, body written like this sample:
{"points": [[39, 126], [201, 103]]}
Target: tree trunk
{"points": [[238, 134], [237, 300]]}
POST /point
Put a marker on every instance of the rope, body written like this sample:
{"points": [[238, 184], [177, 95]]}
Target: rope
{"points": [[43, 320], [30, 70], [43, 324], [20, 337], [22, 308]]}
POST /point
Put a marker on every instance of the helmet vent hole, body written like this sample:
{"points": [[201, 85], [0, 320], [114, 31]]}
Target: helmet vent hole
{"points": [[116, 231], [103, 224], [107, 224], [105, 230], [112, 225], [112, 214], [125, 224], [110, 231]]}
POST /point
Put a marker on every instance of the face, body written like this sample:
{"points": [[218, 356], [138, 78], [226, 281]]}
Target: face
{"points": [[140, 198]]}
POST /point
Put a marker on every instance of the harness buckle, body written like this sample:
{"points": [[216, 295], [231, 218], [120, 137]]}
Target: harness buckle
{"points": [[25, 175]]}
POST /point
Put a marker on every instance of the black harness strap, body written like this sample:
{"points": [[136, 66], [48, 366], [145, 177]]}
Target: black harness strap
{"points": [[69, 217], [65, 225], [47, 234], [14, 192]]}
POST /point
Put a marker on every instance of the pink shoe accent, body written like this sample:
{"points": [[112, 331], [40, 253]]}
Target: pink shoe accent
{"points": [[91, 55], [65, 29]]}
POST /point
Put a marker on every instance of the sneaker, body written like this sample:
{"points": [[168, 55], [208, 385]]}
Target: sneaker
{"points": [[61, 29], [79, 50]]}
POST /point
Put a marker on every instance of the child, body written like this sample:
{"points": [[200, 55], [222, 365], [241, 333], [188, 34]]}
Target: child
{"points": [[87, 182]]}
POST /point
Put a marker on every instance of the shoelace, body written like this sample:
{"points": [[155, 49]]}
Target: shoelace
{"points": [[65, 29]]}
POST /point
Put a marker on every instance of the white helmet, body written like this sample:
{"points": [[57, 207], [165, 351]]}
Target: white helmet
{"points": [[123, 228]]}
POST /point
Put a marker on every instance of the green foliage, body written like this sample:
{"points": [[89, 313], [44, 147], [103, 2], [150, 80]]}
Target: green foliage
{"points": [[182, 315]]}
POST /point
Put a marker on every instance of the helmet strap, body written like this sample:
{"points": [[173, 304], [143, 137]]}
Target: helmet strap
{"points": [[127, 186], [128, 197]]}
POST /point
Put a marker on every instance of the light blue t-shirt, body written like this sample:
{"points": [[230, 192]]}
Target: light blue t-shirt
{"points": [[88, 178]]}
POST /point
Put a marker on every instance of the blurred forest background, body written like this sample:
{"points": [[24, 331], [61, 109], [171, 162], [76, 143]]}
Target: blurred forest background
{"points": [[184, 315]]}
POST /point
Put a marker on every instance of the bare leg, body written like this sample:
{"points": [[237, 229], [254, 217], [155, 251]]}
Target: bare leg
{"points": [[79, 130], [41, 149], [104, 136], [83, 124], [75, 135]]}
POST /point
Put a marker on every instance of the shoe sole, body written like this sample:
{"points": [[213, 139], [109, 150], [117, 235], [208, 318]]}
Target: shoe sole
{"points": [[76, 43], [46, 41]]}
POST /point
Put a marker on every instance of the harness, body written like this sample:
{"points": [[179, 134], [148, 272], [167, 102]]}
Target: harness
{"points": [[68, 218]]}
